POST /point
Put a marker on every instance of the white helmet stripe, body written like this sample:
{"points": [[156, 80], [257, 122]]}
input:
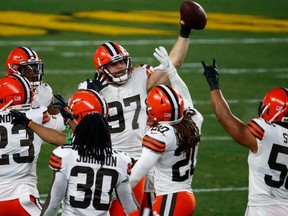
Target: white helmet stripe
{"points": [[113, 51], [103, 102], [29, 52], [173, 100], [25, 83]]}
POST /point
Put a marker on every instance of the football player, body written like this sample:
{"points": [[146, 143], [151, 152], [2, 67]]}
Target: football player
{"points": [[266, 139], [79, 105], [171, 144], [88, 161], [87, 171], [19, 149], [125, 89], [26, 62]]}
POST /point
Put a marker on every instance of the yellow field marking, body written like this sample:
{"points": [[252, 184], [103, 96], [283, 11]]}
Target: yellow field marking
{"points": [[249, 23], [67, 23], [132, 16], [10, 26], [8, 30]]}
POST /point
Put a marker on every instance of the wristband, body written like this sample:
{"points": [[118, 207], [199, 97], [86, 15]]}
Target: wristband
{"points": [[185, 32], [29, 124]]}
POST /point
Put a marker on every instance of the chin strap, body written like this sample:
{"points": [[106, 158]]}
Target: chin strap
{"points": [[6, 105]]}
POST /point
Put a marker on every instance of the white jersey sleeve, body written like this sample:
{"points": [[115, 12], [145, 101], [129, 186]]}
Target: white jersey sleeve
{"points": [[268, 176], [43, 96], [42, 99]]}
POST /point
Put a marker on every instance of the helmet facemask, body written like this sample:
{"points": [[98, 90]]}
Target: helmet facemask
{"points": [[33, 72], [114, 77], [25, 62]]}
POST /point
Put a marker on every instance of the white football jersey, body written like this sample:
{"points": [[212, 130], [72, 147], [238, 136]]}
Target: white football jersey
{"points": [[127, 111], [90, 184], [173, 170], [43, 96], [268, 168], [19, 151]]}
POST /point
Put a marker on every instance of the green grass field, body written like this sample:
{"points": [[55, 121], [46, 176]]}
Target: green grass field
{"points": [[248, 41]]}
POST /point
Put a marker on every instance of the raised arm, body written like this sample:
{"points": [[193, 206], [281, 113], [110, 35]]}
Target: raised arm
{"points": [[231, 124], [177, 56], [166, 65]]}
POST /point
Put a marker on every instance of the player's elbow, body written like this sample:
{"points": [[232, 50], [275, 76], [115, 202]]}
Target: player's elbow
{"points": [[178, 63]]}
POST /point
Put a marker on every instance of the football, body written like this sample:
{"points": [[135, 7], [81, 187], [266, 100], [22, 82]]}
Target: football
{"points": [[193, 15]]}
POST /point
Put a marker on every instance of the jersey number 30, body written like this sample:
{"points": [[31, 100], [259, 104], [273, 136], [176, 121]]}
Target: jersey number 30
{"points": [[102, 175]]}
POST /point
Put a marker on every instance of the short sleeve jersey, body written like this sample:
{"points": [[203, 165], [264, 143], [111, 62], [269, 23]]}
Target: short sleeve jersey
{"points": [[268, 168], [174, 170], [90, 183]]}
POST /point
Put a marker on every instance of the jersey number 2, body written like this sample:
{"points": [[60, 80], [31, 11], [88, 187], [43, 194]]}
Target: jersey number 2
{"points": [[176, 176]]}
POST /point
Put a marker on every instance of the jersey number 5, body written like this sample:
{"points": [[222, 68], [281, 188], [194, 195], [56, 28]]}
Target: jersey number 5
{"points": [[274, 165]]}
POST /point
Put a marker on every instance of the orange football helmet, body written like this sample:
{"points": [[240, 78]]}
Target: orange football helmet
{"points": [[14, 90], [25, 62], [164, 104], [87, 101], [274, 106], [110, 53]]}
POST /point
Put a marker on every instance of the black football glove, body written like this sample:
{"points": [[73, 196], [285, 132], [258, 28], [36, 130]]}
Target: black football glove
{"points": [[61, 104], [211, 74], [19, 118], [97, 83]]}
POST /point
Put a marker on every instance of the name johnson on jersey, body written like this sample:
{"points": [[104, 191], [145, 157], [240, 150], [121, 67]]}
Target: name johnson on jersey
{"points": [[109, 161]]}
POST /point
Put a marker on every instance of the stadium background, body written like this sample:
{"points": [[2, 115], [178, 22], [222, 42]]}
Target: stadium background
{"points": [[247, 38]]}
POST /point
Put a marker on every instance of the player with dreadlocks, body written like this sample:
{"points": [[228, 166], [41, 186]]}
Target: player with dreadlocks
{"points": [[171, 144], [86, 171], [90, 162], [98, 146]]}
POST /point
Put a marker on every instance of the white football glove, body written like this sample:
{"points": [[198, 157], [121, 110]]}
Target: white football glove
{"points": [[165, 62], [83, 85], [43, 96]]}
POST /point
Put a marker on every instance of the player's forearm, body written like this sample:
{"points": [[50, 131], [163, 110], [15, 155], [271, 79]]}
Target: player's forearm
{"points": [[126, 197], [147, 160], [48, 135], [179, 51]]}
